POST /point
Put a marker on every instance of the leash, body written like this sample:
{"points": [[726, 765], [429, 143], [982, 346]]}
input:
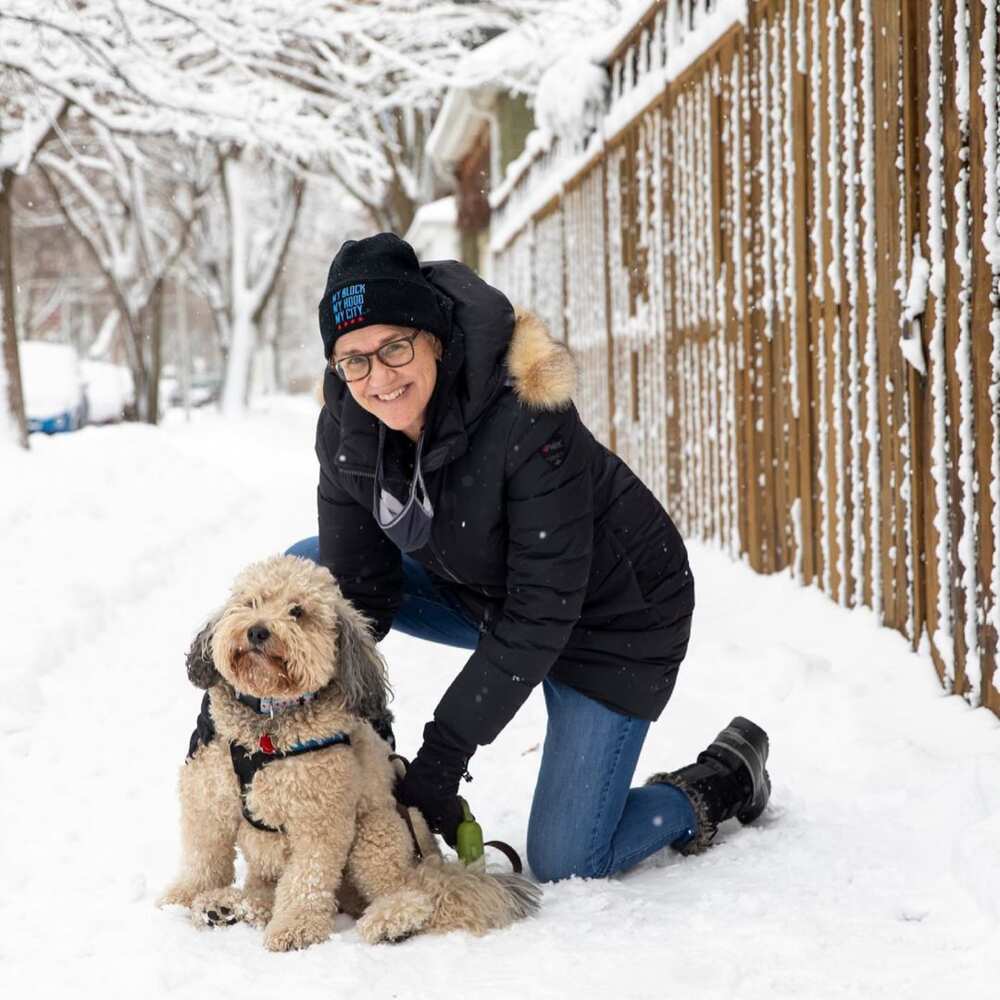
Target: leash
{"points": [[469, 843]]}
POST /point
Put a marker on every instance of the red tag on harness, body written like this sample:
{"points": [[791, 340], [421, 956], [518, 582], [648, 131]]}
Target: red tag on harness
{"points": [[265, 744]]}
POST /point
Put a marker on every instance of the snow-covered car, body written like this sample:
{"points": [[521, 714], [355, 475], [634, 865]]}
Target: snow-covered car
{"points": [[203, 389], [110, 391], [55, 398]]}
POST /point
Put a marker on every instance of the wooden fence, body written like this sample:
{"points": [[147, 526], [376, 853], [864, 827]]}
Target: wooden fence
{"points": [[744, 266]]}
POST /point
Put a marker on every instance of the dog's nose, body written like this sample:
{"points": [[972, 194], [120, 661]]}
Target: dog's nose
{"points": [[258, 634]]}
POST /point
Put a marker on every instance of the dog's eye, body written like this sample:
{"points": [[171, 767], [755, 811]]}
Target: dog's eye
{"points": [[296, 611]]}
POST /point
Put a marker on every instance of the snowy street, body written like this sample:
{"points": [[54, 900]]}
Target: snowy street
{"points": [[875, 872]]}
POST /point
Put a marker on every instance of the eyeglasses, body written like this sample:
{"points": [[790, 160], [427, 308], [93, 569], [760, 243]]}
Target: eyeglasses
{"points": [[393, 354]]}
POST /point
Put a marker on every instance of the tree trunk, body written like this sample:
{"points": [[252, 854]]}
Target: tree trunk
{"points": [[279, 331], [242, 329], [154, 328], [250, 293], [134, 328], [242, 341], [8, 325]]}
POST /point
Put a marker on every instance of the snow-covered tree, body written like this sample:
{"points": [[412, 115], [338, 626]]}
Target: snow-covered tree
{"points": [[133, 206], [23, 129], [240, 241]]}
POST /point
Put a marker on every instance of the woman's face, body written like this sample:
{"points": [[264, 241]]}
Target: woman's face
{"points": [[396, 396]]}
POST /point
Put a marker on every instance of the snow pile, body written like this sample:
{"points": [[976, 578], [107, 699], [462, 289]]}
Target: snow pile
{"points": [[914, 307], [514, 57], [876, 872], [571, 98], [109, 390], [51, 378]]}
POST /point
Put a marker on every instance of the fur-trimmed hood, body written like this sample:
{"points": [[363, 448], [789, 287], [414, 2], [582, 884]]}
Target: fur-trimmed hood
{"points": [[542, 370]]}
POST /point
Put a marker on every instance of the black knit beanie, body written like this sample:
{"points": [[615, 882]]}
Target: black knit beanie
{"points": [[378, 280]]}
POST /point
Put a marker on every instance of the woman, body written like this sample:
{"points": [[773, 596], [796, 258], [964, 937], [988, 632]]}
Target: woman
{"points": [[462, 500]]}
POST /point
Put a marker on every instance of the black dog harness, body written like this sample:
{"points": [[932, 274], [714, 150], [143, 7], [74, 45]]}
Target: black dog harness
{"points": [[246, 764]]}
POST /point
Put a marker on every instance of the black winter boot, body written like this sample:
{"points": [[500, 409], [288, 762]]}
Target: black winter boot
{"points": [[729, 779]]}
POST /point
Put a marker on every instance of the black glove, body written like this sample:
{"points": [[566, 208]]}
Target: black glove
{"points": [[431, 782]]}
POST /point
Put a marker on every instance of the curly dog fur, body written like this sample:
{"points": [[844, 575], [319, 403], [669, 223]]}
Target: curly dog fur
{"points": [[340, 842]]}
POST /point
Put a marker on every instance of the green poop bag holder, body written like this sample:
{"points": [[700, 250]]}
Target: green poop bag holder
{"points": [[470, 845], [469, 837]]}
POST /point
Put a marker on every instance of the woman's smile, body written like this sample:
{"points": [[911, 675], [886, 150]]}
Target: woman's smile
{"points": [[391, 397]]}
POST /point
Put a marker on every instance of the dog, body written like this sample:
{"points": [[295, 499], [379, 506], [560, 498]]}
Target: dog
{"points": [[297, 777]]}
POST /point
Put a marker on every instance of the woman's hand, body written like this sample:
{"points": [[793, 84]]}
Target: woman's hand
{"points": [[431, 782], [443, 812]]}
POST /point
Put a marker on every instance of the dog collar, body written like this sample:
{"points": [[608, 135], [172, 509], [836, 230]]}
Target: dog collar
{"points": [[268, 706]]}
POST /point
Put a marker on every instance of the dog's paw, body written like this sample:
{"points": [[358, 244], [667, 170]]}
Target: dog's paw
{"points": [[395, 917], [217, 908], [179, 894], [256, 909], [290, 933]]}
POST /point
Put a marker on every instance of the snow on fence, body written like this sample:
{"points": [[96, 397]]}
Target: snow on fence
{"points": [[778, 263]]}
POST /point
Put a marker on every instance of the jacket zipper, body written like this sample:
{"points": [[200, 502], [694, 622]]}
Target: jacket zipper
{"points": [[352, 470], [444, 565]]}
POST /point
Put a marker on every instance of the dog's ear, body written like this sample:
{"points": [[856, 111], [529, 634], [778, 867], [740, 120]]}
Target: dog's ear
{"points": [[200, 665], [361, 671]]}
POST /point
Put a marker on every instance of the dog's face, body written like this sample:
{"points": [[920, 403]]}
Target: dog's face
{"points": [[277, 635], [287, 630]]}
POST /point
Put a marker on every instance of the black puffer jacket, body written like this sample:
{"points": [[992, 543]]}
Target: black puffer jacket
{"points": [[541, 532]]}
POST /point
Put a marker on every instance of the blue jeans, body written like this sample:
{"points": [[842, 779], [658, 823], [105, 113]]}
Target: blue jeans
{"points": [[585, 818]]}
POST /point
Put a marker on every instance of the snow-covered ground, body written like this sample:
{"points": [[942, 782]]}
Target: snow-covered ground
{"points": [[876, 872]]}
